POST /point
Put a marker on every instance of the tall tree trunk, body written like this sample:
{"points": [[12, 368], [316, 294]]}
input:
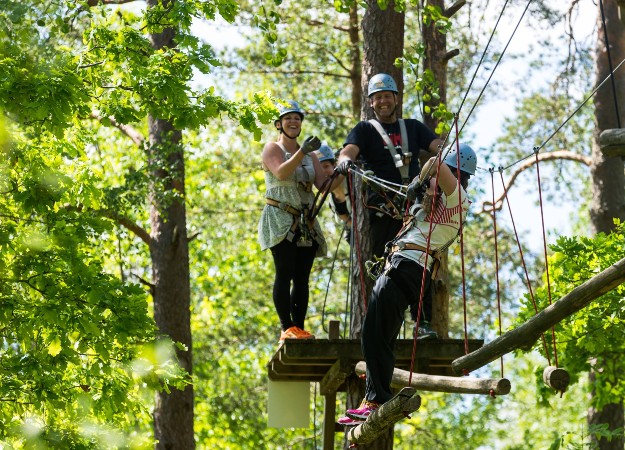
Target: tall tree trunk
{"points": [[383, 42], [173, 412], [355, 60], [608, 178]]}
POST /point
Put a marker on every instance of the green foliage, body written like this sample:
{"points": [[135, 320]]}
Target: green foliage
{"points": [[593, 334]]}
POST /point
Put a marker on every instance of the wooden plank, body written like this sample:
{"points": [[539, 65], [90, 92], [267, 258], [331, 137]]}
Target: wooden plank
{"points": [[397, 408], [612, 142], [329, 413], [437, 383], [336, 376], [525, 335]]}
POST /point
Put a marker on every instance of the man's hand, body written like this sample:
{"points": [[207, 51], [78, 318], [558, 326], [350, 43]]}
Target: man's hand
{"points": [[344, 166], [311, 144]]}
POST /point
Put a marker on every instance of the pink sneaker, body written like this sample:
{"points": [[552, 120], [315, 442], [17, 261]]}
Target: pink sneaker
{"points": [[363, 411], [349, 422]]}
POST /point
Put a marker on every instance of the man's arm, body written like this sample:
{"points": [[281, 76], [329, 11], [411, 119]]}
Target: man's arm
{"points": [[350, 151], [435, 147]]}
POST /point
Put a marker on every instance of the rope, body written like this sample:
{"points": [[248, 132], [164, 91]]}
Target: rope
{"points": [[325, 299], [527, 278], [496, 64], [356, 239], [425, 264], [542, 218], [492, 182], [569, 118]]}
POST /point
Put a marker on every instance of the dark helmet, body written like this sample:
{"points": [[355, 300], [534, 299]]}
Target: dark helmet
{"points": [[381, 82]]}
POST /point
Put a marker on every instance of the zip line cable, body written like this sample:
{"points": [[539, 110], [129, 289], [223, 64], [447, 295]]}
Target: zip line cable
{"points": [[569, 118]]}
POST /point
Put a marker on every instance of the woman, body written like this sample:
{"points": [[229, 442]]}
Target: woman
{"points": [[285, 226], [399, 287]]}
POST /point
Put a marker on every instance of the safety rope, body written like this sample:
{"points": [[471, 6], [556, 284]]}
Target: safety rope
{"points": [[492, 183], [542, 219], [527, 278]]}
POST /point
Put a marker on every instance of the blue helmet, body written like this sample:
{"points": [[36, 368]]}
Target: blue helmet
{"points": [[382, 82], [290, 106], [468, 159], [325, 153]]}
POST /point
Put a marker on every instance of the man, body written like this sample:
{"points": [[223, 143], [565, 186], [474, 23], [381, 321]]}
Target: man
{"points": [[390, 148]]}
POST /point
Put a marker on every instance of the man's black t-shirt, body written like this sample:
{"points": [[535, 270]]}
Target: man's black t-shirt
{"points": [[377, 156]]}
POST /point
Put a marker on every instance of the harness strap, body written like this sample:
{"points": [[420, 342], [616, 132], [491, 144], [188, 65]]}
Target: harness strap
{"points": [[436, 255], [401, 161], [283, 207]]}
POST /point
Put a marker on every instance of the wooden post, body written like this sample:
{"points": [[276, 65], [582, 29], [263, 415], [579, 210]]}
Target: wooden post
{"points": [[329, 385], [385, 416], [437, 383], [525, 335]]}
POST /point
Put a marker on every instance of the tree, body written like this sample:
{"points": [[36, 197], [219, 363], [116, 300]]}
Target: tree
{"points": [[124, 75]]}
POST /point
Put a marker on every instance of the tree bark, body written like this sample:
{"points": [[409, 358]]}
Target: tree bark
{"points": [[383, 43], [608, 189], [173, 412]]}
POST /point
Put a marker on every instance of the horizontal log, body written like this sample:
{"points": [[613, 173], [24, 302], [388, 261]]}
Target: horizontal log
{"points": [[438, 383], [525, 335], [612, 142], [397, 408]]}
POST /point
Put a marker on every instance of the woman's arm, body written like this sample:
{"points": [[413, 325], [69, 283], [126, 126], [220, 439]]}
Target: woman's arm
{"points": [[273, 160]]}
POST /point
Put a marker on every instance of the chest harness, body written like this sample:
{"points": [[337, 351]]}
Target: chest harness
{"points": [[402, 163]]}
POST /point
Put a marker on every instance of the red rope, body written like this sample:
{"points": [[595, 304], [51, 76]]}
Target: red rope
{"points": [[356, 239], [425, 264], [542, 218], [527, 278], [460, 232], [492, 183]]}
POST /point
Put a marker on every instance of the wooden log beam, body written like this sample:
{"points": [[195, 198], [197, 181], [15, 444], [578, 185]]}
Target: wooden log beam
{"points": [[612, 142], [397, 408], [438, 383], [335, 377], [525, 335]]}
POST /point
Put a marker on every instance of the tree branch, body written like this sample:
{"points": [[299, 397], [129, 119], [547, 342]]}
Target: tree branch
{"points": [[129, 131], [487, 206]]}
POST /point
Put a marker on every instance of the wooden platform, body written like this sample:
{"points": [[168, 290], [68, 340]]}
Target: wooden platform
{"points": [[310, 360]]}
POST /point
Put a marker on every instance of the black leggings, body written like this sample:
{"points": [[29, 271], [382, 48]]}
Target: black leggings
{"points": [[293, 265], [392, 294]]}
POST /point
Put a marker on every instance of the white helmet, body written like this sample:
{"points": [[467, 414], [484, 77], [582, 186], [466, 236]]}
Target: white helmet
{"points": [[468, 159], [381, 82], [325, 153]]}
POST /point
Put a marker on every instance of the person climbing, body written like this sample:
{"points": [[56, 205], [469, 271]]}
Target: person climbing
{"points": [[435, 223], [286, 226]]}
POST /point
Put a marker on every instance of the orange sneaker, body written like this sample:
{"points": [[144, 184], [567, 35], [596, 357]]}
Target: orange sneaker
{"points": [[289, 333], [303, 334]]}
